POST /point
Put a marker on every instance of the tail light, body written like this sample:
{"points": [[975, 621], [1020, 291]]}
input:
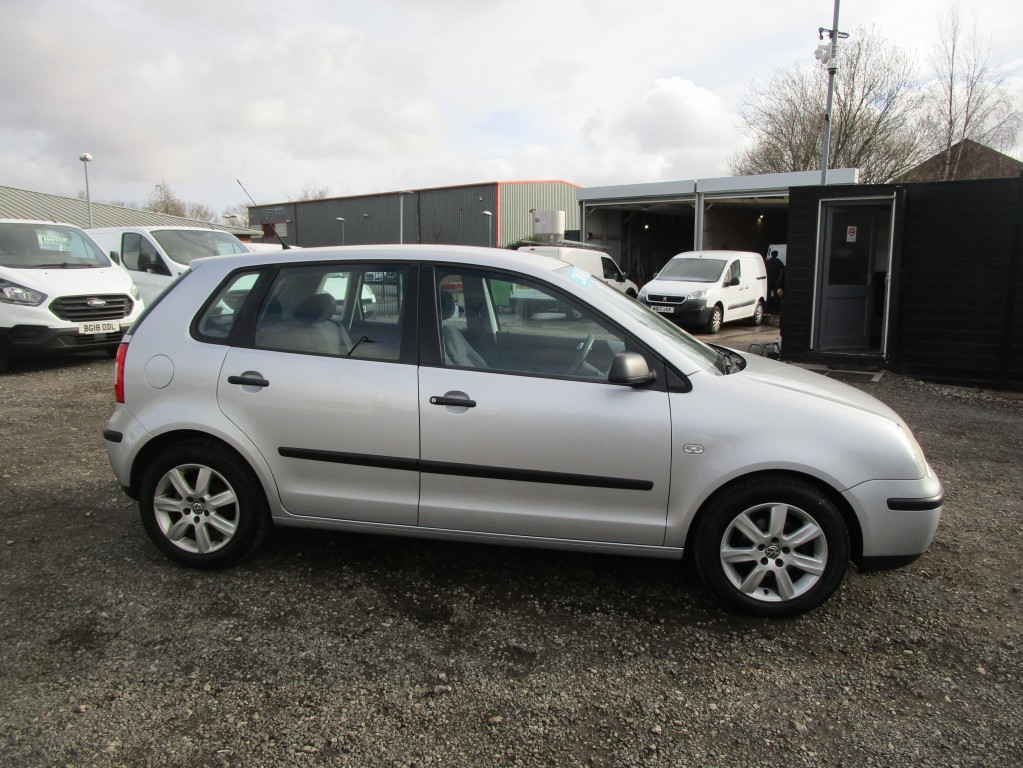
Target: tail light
{"points": [[122, 352]]}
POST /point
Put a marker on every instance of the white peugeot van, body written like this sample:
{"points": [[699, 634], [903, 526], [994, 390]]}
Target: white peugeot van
{"points": [[59, 292], [708, 288], [156, 256], [595, 262]]}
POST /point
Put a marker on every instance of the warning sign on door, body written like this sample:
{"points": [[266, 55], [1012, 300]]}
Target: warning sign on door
{"points": [[850, 234]]}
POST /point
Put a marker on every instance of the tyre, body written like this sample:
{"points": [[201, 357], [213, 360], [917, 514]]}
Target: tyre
{"points": [[758, 314], [202, 506], [714, 323], [772, 547]]}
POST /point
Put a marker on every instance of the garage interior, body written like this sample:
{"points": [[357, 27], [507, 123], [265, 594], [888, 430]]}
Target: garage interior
{"points": [[643, 225]]}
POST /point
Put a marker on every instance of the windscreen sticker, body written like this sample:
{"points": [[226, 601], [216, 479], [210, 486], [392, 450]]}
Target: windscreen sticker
{"points": [[53, 241], [580, 276]]}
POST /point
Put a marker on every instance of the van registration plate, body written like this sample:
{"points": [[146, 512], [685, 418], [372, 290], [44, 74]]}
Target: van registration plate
{"points": [[104, 326], [663, 310]]}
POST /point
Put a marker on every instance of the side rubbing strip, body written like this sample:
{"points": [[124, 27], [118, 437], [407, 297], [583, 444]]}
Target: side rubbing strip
{"points": [[356, 459], [534, 476], [468, 470]]}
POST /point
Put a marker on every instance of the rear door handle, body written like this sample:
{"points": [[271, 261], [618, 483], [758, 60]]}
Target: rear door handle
{"points": [[249, 379], [461, 402]]}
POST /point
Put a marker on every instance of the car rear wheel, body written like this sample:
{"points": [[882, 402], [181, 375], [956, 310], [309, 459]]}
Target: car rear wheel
{"points": [[758, 314], [772, 547], [201, 505]]}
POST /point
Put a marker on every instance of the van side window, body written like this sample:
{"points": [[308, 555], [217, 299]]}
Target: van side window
{"points": [[611, 271], [734, 272], [139, 255]]}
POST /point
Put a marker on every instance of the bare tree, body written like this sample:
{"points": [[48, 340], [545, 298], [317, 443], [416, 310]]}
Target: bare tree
{"points": [[240, 211], [201, 212], [872, 118], [311, 192], [163, 200], [968, 98]]}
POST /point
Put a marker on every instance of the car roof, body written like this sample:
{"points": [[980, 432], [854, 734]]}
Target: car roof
{"points": [[494, 258]]}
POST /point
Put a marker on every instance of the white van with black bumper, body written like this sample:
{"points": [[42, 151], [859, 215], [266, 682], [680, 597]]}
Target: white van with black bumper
{"points": [[59, 292], [708, 288]]}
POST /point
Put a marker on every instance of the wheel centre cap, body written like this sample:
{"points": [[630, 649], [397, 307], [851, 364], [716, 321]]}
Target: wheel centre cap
{"points": [[772, 551], [198, 507]]}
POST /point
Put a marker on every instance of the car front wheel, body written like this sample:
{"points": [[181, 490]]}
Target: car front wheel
{"points": [[201, 506], [772, 547], [714, 323]]}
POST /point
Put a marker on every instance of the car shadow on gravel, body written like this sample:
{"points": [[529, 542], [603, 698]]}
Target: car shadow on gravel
{"points": [[426, 578]]}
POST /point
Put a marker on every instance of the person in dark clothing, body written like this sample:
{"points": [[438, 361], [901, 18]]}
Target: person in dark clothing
{"points": [[775, 283]]}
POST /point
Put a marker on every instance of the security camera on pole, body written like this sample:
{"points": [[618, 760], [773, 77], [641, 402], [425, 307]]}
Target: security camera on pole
{"points": [[827, 55]]}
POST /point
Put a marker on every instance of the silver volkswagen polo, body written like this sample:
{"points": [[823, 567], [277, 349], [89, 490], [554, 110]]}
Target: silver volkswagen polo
{"points": [[257, 392]]}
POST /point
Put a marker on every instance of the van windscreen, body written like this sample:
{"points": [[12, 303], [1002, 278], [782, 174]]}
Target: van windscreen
{"points": [[693, 270], [27, 245], [184, 245]]}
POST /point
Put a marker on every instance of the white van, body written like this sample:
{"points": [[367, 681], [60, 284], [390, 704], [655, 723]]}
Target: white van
{"points": [[59, 292], [156, 256], [708, 288], [595, 262]]}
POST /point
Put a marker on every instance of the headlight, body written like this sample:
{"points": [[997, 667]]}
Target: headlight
{"points": [[12, 293], [701, 294], [914, 450], [134, 291]]}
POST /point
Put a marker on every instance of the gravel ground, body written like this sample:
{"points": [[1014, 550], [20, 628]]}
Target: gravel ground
{"points": [[327, 649]]}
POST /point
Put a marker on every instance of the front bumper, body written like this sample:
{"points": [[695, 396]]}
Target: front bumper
{"points": [[687, 312], [898, 518], [41, 339]]}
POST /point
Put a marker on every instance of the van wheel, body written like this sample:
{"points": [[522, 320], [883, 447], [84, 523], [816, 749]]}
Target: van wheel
{"points": [[758, 314], [714, 324], [202, 506], [772, 546]]}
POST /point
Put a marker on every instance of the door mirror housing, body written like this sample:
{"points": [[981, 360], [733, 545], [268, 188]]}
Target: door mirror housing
{"points": [[115, 257], [631, 369]]}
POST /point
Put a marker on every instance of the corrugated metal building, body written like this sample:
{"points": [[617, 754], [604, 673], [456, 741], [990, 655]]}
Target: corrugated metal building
{"points": [[488, 214], [22, 204]]}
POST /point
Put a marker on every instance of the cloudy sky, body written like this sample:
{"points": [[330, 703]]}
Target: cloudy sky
{"points": [[364, 96]]}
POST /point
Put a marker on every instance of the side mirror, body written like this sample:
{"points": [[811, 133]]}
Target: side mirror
{"points": [[733, 281], [631, 369], [115, 257]]}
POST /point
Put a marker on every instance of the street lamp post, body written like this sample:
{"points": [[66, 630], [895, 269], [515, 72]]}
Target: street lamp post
{"points": [[342, 220], [86, 158], [488, 218]]}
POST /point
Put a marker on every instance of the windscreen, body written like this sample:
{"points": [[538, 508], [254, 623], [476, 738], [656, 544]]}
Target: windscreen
{"points": [[25, 245], [185, 245], [693, 270]]}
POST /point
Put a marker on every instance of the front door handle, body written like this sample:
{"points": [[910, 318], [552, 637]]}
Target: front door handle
{"points": [[249, 379], [461, 402]]}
